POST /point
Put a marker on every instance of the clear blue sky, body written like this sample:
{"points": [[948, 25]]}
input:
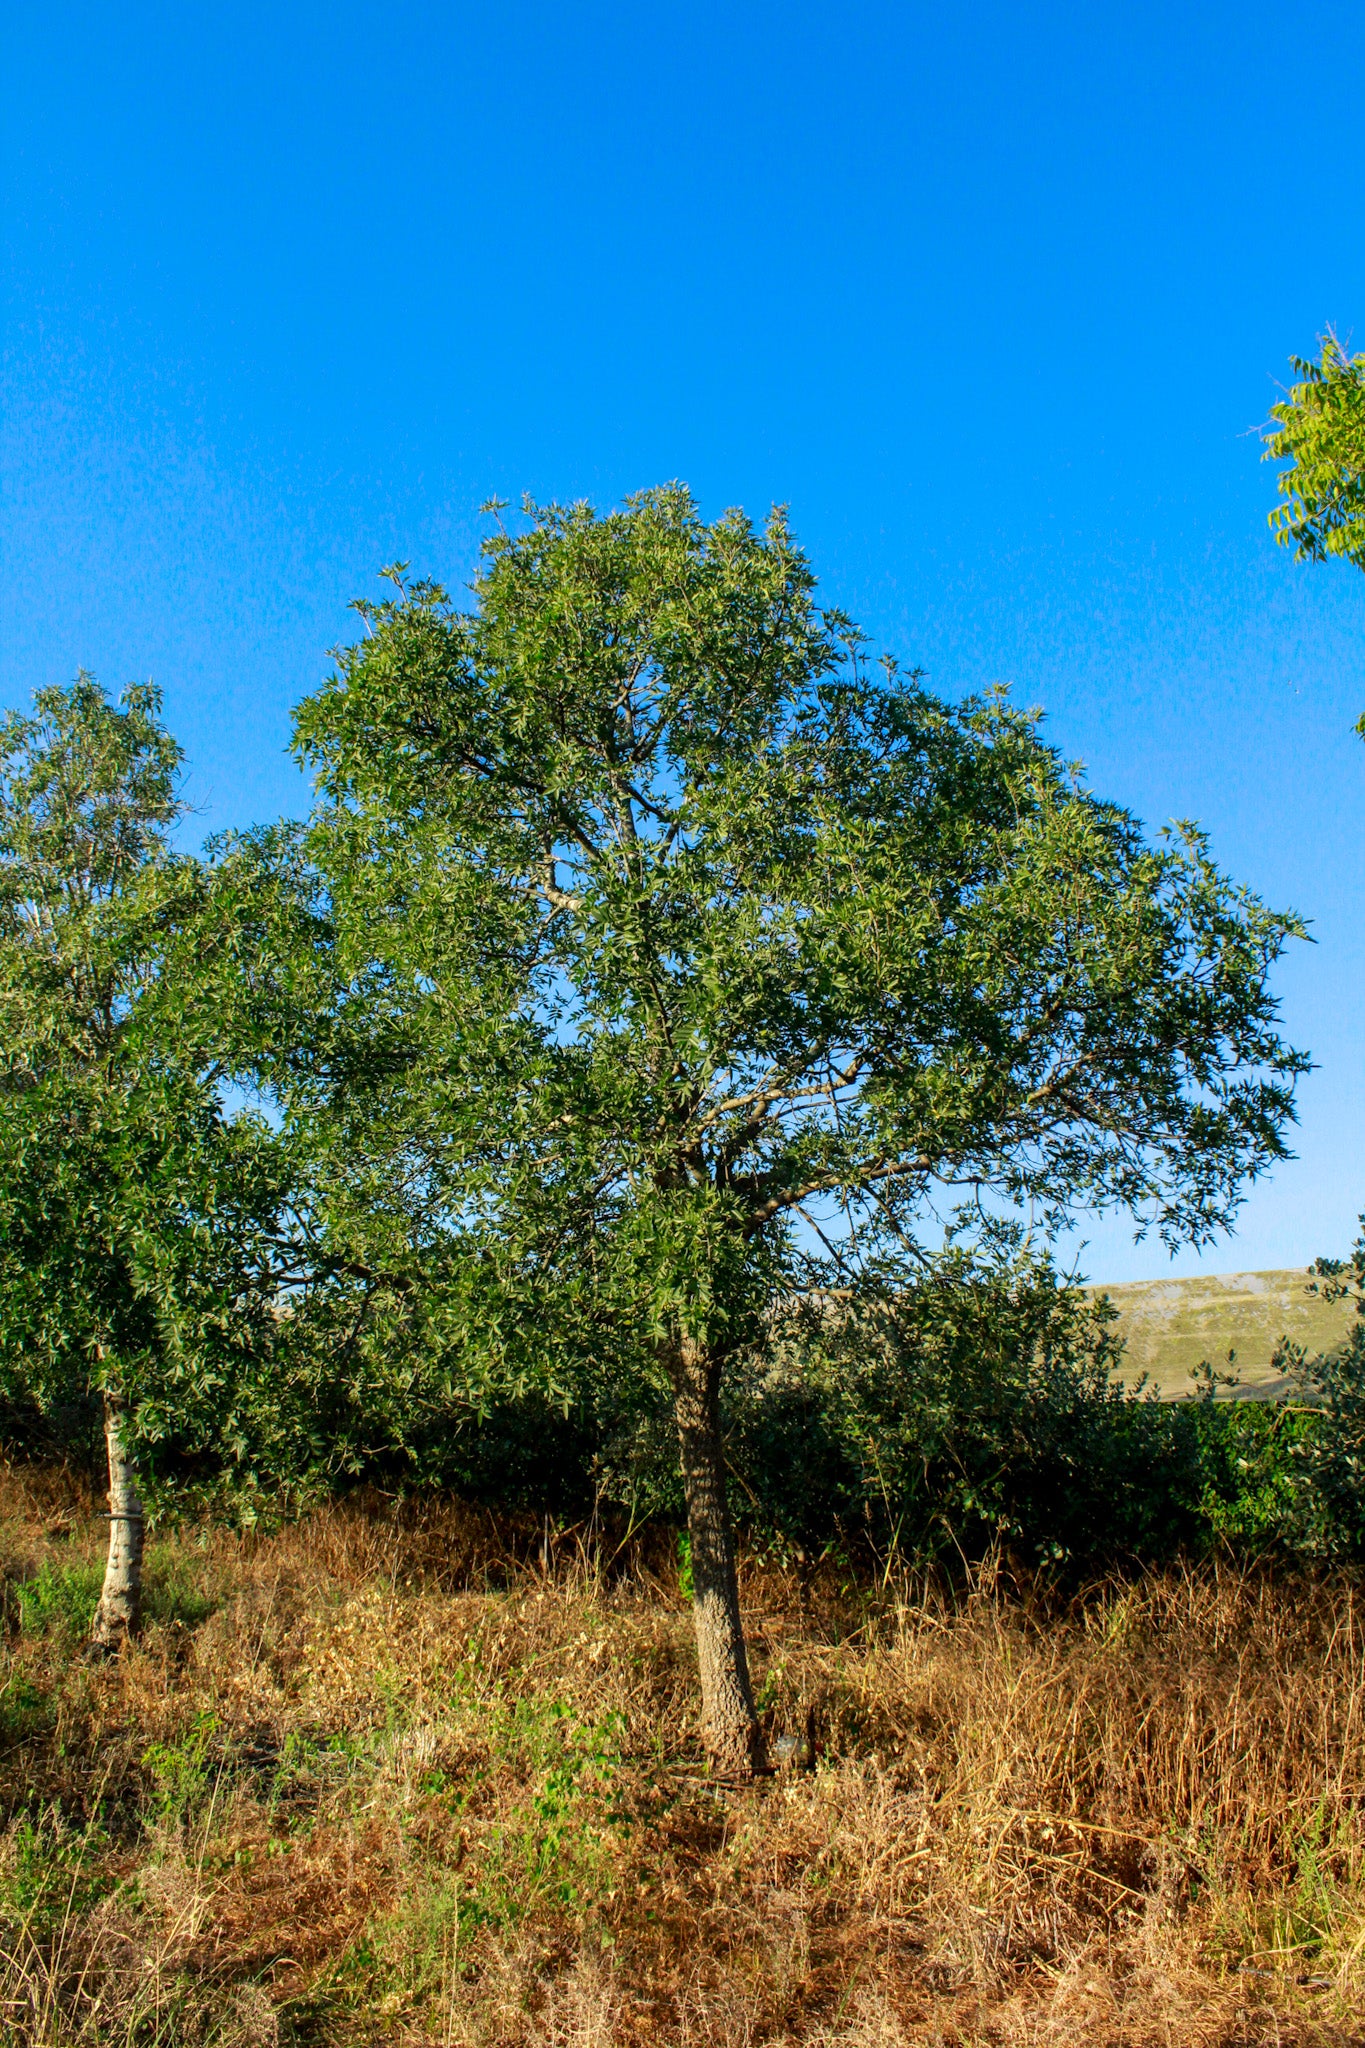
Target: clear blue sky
{"points": [[994, 298]]}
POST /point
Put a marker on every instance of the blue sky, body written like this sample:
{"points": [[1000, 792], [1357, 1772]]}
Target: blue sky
{"points": [[993, 298]]}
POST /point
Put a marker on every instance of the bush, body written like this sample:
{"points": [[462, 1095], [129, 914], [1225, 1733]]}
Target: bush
{"points": [[1329, 1452], [983, 1410], [979, 1409]]}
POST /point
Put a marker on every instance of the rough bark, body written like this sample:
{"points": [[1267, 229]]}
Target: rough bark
{"points": [[731, 1730], [120, 1608]]}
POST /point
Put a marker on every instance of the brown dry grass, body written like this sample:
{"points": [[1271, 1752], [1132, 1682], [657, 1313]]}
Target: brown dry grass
{"points": [[395, 1778]]}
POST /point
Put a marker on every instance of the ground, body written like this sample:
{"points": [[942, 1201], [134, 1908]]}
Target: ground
{"points": [[410, 1774]]}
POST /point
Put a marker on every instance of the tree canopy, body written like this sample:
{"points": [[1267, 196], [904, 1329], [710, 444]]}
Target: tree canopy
{"points": [[700, 907]]}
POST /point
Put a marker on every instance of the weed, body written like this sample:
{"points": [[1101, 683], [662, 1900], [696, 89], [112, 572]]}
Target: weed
{"points": [[181, 1771], [59, 1599], [51, 1871], [172, 1590], [685, 1585], [25, 1708]]}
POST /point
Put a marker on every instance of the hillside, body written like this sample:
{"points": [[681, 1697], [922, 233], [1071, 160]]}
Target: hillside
{"points": [[1170, 1326]]}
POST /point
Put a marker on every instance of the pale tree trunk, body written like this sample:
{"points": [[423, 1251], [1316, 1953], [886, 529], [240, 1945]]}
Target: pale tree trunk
{"points": [[120, 1608], [730, 1726]]}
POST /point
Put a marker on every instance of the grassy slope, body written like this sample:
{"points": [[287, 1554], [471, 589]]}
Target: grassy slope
{"points": [[392, 1780], [1170, 1326]]}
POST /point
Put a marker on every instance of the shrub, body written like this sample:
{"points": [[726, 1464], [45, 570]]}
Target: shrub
{"points": [[979, 1409]]}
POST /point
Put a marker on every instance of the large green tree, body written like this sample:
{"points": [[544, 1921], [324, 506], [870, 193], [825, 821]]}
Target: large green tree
{"points": [[696, 956], [138, 1219]]}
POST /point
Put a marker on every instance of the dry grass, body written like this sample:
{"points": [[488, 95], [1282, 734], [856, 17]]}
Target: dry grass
{"points": [[401, 1779]]}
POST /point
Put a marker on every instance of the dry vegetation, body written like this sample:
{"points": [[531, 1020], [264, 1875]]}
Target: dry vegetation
{"points": [[413, 1778]]}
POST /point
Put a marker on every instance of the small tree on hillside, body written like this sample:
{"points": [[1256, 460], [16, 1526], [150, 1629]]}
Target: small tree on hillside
{"points": [[135, 1219], [717, 952]]}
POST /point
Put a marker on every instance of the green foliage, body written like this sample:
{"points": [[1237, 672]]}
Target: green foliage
{"points": [[1320, 430], [138, 1218], [53, 1871], [25, 1708], [1332, 1454], [182, 1772], [59, 1599], [1247, 1458], [172, 1591], [553, 1852], [961, 1413], [652, 963], [978, 1410], [981, 1410], [669, 957], [571, 1764]]}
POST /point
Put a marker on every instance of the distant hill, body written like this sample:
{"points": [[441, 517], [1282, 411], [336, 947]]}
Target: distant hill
{"points": [[1169, 1326]]}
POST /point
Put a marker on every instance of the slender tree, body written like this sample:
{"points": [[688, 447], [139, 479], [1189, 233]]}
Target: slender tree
{"points": [[708, 954], [136, 1219], [1319, 432]]}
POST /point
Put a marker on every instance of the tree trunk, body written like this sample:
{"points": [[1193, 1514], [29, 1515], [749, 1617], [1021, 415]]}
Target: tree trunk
{"points": [[730, 1725], [120, 1608]]}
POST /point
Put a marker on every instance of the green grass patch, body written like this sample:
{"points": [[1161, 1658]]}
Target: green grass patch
{"points": [[26, 1709], [59, 1599], [182, 1772], [52, 1871], [172, 1589]]}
